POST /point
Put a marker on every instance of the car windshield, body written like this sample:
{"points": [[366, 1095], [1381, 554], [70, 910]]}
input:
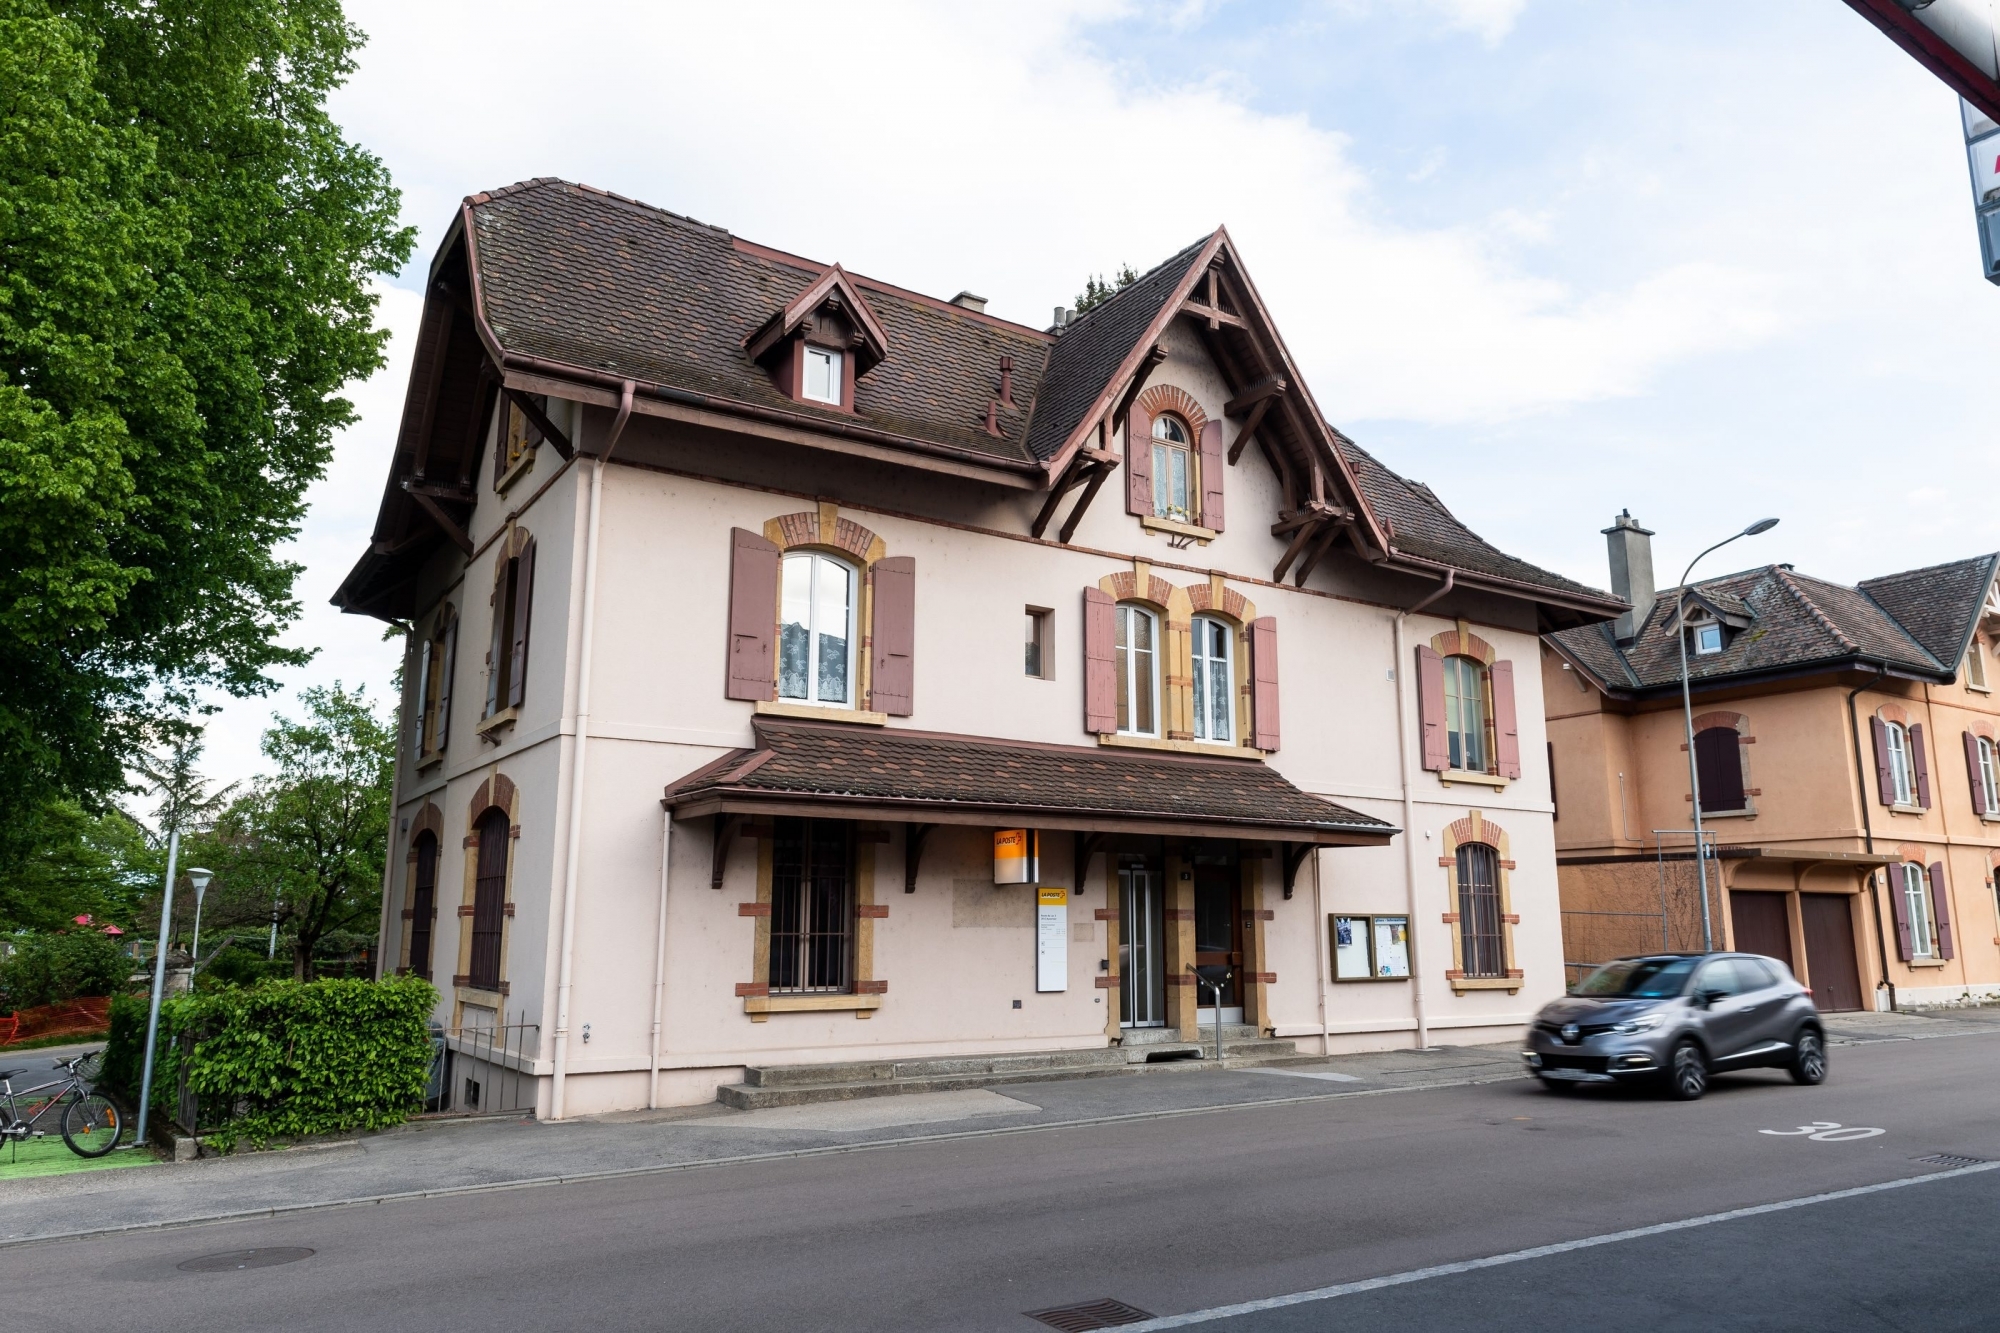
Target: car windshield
{"points": [[1639, 978]]}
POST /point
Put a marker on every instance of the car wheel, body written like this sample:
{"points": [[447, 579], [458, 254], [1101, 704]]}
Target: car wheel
{"points": [[1561, 1085], [1687, 1071], [1808, 1058]]}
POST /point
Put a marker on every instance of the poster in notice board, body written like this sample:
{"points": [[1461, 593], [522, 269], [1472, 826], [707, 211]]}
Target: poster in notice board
{"points": [[1392, 946], [1350, 949]]}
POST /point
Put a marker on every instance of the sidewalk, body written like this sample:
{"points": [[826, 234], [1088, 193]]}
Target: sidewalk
{"points": [[434, 1156]]}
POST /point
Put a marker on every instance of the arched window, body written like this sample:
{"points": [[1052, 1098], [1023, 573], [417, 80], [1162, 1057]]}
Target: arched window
{"points": [[1481, 951], [1214, 681], [1138, 671], [1173, 468], [1465, 712], [1718, 765], [816, 631], [1915, 889], [489, 899], [423, 901], [1902, 772]]}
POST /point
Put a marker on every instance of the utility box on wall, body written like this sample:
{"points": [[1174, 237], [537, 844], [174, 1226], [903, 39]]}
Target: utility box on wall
{"points": [[1016, 856]]}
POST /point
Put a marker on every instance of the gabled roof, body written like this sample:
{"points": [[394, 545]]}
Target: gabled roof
{"points": [[834, 284], [1915, 624]]}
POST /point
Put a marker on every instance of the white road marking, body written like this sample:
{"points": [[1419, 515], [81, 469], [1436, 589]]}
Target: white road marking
{"points": [[1538, 1252], [1828, 1131], [1303, 1073]]}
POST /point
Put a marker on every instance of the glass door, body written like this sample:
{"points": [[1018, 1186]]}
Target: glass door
{"points": [[1142, 999], [1218, 941]]}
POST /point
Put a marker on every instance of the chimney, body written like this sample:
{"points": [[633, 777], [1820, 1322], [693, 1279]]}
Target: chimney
{"points": [[1631, 571], [1007, 380], [1062, 319], [976, 304]]}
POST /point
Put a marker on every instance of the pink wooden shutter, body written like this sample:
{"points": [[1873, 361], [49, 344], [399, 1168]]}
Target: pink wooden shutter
{"points": [[523, 593], [1885, 780], [892, 685], [1212, 467], [1264, 682], [753, 616], [1899, 902], [1972, 775], [444, 683], [1941, 909], [1922, 764], [1430, 709], [1139, 461], [1100, 663], [1506, 723]]}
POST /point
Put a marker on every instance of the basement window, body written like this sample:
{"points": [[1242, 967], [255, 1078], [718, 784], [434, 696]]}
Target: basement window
{"points": [[822, 376]]}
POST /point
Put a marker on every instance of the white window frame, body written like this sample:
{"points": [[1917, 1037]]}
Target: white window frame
{"points": [[1707, 639], [1454, 696], [1902, 773], [1207, 668], [1130, 666], [1165, 451], [1975, 666], [816, 563], [1989, 777], [1917, 904], [833, 361]]}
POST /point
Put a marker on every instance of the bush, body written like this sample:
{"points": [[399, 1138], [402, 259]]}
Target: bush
{"points": [[241, 965], [284, 1059], [48, 969]]}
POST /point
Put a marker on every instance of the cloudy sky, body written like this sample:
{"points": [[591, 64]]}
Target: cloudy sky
{"points": [[1706, 260]]}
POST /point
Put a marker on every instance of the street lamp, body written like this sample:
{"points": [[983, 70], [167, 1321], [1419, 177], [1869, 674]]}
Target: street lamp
{"points": [[198, 877], [1687, 711]]}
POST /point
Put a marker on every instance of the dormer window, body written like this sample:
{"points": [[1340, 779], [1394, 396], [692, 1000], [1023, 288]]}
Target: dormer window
{"points": [[1707, 639], [821, 380]]}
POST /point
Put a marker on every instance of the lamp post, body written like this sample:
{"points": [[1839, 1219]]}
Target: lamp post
{"points": [[159, 986], [1687, 712], [198, 877]]}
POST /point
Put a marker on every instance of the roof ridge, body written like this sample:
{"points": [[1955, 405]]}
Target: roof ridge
{"points": [[1787, 578], [544, 182], [1111, 300], [1928, 569]]}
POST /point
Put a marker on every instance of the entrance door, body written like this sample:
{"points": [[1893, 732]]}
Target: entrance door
{"points": [[1218, 940], [1829, 929], [1762, 924], [1142, 985]]}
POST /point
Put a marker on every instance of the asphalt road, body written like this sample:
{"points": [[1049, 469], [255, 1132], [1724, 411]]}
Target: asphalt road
{"points": [[1173, 1216]]}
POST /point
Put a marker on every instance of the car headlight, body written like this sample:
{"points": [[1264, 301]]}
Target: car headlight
{"points": [[1643, 1023]]}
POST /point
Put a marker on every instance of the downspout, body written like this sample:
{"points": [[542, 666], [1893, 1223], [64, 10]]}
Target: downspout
{"points": [[1410, 804], [1319, 952], [660, 960], [566, 966], [1868, 827]]}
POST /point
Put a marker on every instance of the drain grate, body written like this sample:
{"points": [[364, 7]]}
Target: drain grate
{"points": [[1950, 1159], [234, 1260], [1106, 1313]]}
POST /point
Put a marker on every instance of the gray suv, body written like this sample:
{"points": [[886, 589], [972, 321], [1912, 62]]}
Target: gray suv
{"points": [[1675, 1018]]}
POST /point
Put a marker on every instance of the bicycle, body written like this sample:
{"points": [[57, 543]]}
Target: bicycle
{"points": [[91, 1122]]}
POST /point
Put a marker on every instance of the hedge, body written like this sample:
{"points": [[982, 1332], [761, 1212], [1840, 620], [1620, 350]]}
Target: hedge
{"points": [[49, 969], [284, 1059]]}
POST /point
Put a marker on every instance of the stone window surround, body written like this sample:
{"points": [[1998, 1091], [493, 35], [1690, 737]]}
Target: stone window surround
{"points": [[430, 820], [497, 790], [1172, 399], [1475, 827], [1710, 721], [866, 997], [1177, 606], [823, 529], [1462, 642]]}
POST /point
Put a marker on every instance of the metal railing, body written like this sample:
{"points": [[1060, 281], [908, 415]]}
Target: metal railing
{"points": [[483, 1069]]}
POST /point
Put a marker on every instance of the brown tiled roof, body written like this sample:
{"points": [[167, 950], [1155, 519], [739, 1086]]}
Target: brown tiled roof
{"points": [[590, 279], [821, 760], [1797, 621]]}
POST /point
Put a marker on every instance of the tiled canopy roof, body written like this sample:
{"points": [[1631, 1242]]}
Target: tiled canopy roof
{"points": [[927, 772], [1918, 622]]}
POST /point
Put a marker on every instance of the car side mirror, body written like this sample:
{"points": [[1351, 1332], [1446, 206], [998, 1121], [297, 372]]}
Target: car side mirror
{"points": [[1708, 997]]}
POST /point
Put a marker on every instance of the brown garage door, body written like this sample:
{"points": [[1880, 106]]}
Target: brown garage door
{"points": [[1760, 923], [1829, 931]]}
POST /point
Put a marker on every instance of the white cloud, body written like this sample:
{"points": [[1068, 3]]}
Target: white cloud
{"points": [[1492, 20]]}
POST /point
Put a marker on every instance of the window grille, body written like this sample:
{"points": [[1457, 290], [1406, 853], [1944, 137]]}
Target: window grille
{"points": [[812, 908], [1481, 952]]}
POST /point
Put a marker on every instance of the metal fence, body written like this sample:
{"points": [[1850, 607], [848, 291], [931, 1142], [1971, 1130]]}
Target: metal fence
{"points": [[483, 1069], [1647, 908]]}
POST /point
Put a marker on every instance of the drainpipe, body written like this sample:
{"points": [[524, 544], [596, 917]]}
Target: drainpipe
{"points": [[1409, 804], [566, 966], [1868, 826], [1319, 952], [660, 961]]}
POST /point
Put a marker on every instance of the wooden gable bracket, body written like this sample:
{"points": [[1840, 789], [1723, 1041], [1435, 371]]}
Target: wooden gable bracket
{"points": [[1087, 846], [914, 838], [425, 496], [1156, 356], [1295, 856], [542, 422], [1317, 551], [1256, 401], [1089, 465], [725, 834]]}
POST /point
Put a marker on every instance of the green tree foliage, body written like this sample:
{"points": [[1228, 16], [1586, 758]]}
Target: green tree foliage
{"points": [[187, 244], [45, 969], [309, 840], [1096, 291], [84, 865]]}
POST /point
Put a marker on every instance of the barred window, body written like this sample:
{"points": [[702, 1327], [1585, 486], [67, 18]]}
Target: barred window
{"points": [[1480, 950], [812, 907]]}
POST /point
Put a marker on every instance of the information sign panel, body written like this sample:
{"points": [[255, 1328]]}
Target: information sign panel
{"points": [[1051, 939]]}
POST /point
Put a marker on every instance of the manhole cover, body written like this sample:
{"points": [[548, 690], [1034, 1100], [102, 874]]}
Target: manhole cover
{"points": [[1106, 1313], [1950, 1159], [268, 1257]]}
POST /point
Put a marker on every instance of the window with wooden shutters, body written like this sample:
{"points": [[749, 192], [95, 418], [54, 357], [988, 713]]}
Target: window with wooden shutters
{"points": [[1138, 671], [1916, 931], [1940, 909], [1481, 949], [1214, 660], [1465, 713], [1920, 766], [1430, 709], [1139, 461], [1174, 481], [1211, 469], [1896, 772], [507, 651], [812, 907], [434, 686], [753, 616], [1100, 663], [1506, 722], [818, 606], [489, 899], [1718, 766], [1264, 682], [1984, 762], [423, 902]]}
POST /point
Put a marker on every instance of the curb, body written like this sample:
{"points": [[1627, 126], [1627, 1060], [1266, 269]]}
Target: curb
{"points": [[669, 1168]]}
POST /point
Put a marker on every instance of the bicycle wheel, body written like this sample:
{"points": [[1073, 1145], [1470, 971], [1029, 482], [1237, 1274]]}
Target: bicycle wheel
{"points": [[91, 1125]]}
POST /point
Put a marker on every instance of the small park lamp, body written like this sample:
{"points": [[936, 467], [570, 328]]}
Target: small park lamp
{"points": [[199, 877]]}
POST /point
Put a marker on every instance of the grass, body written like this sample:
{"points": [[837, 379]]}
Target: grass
{"points": [[52, 1157]]}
